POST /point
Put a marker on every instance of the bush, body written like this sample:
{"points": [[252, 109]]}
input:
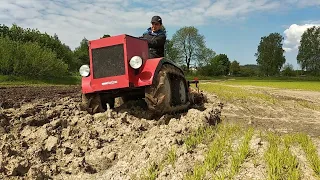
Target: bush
{"points": [[288, 70], [29, 59]]}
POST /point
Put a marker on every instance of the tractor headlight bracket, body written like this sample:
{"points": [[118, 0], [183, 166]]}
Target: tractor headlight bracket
{"points": [[136, 62]]}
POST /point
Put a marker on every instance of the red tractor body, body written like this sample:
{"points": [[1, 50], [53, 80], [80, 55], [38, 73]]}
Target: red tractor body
{"points": [[120, 67], [109, 64]]}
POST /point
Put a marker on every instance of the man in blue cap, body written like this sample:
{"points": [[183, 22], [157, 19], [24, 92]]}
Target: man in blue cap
{"points": [[156, 37]]}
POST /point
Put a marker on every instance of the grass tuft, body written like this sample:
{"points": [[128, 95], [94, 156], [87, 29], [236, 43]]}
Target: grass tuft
{"points": [[172, 156], [310, 150], [281, 163], [217, 149], [242, 153], [202, 134]]}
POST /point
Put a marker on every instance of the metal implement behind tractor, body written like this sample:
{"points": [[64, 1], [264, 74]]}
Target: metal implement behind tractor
{"points": [[120, 67]]}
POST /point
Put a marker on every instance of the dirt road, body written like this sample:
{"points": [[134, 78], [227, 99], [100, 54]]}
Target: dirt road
{"points": [[45, 135]]}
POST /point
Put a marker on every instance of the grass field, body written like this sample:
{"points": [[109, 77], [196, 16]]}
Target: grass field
{"points": [[14, 80], [301, 85]]}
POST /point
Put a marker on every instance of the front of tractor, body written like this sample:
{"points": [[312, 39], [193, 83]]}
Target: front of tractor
{"points": [[120, 67]]}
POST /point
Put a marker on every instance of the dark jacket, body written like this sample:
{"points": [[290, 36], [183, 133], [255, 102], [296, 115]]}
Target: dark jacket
{"points": [[156, 42]]}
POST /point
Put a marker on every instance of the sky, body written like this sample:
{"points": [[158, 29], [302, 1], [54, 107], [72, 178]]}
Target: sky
{"points": [[232, 27]]}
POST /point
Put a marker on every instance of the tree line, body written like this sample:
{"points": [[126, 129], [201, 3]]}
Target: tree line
{"points": [[187, 47], [29, 52]]}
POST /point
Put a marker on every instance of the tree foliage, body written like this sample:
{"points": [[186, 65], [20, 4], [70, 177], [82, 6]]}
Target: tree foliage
{"points": [[172, 52], [204, 56], [219, 65], [235, 68], [105, 36], [288, 70], [81, 53], [309, 50], [269, 54], [29, 59], [189, 43], [18, 34]]}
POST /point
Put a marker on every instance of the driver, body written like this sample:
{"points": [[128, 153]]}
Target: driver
{"points": [[156, 37]]}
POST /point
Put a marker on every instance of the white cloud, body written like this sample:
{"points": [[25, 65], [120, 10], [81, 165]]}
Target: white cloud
{"points": [[287, 49], [73, 20], [303, 3], [235, 8], [293, 35]]}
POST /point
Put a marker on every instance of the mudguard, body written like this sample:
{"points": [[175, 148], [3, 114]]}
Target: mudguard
{"points": [[150, 70]]}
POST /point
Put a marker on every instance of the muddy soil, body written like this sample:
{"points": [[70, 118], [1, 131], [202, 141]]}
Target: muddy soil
{"points": [[44, 135], [15, 96]]}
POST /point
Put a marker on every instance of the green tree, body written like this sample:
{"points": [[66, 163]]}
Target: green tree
{"points": [[18, 34], [288, 70], [105, 36], [221, 64], [81, 53], [235, 68], [204, 55], [309, 50], [189, 43], [29, 59], [269, 54], [171, 52]]}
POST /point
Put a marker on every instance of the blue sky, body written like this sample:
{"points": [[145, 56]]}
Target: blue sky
{"points": [[233, 27]]}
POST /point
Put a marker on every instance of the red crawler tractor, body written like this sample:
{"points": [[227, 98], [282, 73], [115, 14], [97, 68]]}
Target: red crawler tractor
{"points": [[120, 67]]}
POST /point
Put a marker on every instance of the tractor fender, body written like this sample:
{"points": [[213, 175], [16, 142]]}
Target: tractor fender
{"points": [[150, 71], [86, 85], [160, 64]]}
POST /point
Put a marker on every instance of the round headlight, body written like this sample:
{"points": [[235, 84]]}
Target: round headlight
{"points": [[84, 70], [135, 62]]}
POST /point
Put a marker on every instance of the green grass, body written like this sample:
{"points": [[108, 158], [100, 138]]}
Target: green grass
{"points": [[283, 84], [172, 156], [281, 163], [215, 155], [18, 80], [155, 168], [228, 93], [201, 135], [241, 153], [310, 150]]}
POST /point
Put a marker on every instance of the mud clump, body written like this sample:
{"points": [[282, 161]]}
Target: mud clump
{"points": [[54, 139]]}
